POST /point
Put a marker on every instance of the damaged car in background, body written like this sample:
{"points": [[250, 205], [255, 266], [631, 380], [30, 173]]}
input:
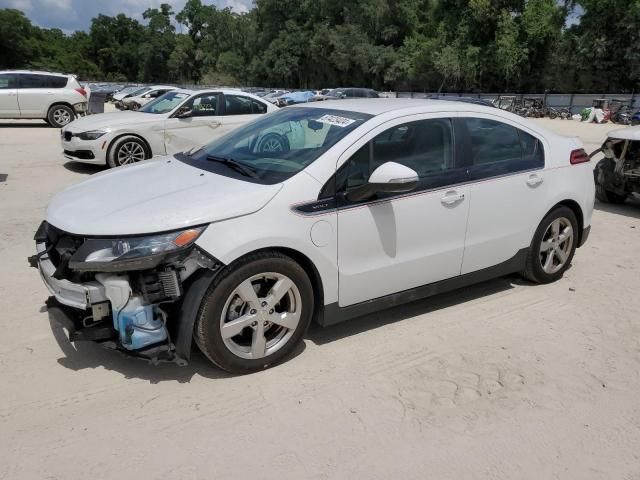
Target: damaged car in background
{"points": [[617, 175], [359, 206]]}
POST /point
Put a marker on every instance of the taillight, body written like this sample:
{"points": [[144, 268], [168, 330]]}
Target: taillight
{"points": [[578, 156], [81, 91]]}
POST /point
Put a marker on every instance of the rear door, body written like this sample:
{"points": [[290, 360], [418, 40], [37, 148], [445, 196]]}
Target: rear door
{"points": [[9, 96], [202, 127], [240, 109], [36, 93], [505, 165]]}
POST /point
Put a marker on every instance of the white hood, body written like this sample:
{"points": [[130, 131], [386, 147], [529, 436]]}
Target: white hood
{"points": [[103, 121], [154, 196]]}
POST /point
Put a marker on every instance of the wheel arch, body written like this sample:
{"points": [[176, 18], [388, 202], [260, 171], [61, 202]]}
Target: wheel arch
{"points": [[307, 265], [56, 104], [200, 281], [576, 209], [128, 134]]}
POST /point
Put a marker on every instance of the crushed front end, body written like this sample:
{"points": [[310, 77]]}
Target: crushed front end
{"points": [[125, 293]]}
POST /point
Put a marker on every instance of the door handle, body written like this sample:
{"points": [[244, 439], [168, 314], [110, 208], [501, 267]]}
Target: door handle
{"points": [[534, 180], [452, 197]]}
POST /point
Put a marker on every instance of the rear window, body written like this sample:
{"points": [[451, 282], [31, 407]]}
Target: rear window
{"points": [[34, 80]]}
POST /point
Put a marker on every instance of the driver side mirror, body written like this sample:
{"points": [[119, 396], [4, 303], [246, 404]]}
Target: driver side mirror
{"points": [[184, 112], [390, 177]]}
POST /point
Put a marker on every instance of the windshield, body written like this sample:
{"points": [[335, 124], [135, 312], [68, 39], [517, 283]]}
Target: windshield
{"points": [[278, 145], [128, 89], [337, 92], [139, 91], [165, 103]]}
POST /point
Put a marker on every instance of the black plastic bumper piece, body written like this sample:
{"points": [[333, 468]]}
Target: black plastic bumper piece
{"points": [[585, 235]]}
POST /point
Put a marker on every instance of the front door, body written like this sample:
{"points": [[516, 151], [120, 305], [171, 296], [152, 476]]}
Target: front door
{"points": [[203, 126], [392, 243], [9, 96]]}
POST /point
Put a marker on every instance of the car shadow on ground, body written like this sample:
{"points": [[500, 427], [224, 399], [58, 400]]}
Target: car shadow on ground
{"points": [[83, 168], [355, 326], [630, 208], [83, 355], [24, 125]]}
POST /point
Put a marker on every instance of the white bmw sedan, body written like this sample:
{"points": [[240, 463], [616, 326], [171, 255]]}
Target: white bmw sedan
{"points": [[365, 204], [177, 121]]}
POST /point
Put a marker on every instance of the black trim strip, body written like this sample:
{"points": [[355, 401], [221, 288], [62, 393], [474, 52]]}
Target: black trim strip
{"points": [[324, 205], [334, 313]]}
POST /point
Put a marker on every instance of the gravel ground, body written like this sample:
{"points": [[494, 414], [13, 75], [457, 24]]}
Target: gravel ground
{"points": [[503, 380]]}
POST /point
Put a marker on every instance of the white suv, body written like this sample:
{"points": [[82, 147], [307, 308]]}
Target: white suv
{"points": [[54, 97], [240, 247]]}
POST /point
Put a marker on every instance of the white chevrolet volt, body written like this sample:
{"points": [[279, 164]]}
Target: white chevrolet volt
{"points": [[361, 205]]}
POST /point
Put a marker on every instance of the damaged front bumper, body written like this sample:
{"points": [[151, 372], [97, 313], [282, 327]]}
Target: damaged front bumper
{"points": [[140, 312]]}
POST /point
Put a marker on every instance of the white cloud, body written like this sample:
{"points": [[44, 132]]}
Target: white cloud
{"points": [[70, 15]]}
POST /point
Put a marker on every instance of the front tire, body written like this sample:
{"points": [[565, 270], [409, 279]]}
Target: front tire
{"points": [[60, 115], [255, 313], [552, 247], [127, 150]]}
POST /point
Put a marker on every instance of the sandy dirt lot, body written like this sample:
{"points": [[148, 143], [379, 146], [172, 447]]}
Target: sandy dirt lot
{"points": [[504, 380]]}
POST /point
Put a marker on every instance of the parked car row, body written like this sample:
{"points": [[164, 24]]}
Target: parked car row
{"points": [[256, 220]]}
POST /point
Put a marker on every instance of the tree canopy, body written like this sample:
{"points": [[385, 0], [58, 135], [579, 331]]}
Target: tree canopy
{"points": [[448, 45]]}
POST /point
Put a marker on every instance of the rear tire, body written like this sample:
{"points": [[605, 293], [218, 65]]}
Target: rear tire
{"points": [[247, 320], [552, 247], [602, 194], [60, 115]]}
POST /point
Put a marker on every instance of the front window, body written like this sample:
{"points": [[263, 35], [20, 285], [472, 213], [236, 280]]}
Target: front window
{"points": [[276, 146], [165, 103]]}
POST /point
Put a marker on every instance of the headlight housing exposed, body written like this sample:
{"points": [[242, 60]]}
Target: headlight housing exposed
{"points": [[91, 135], [131, 253]]}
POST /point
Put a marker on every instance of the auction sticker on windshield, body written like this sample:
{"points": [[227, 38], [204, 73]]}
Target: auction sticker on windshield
{"points": [[336, 120]]}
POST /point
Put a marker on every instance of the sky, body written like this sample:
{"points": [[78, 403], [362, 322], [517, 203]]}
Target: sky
{"points": [[71, 15]]}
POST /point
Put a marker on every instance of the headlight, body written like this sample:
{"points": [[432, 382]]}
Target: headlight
{"points": [[92, 135], [134, 253]]}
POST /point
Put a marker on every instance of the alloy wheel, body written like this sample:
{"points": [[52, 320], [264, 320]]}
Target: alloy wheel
{"points": [[61, 116], [130, 152], [556, 245], [261, 315]]}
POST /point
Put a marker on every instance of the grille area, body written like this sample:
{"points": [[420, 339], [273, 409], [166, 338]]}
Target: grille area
{"points": [[68, 136]]}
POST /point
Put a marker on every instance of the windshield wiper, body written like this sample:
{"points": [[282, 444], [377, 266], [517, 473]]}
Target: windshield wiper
{"points": [[246, 170]]}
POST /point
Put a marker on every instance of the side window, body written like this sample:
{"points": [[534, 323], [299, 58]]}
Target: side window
{"points": [[425, 146], [55, 81], [532, 149], [496, 148], [237, 105], [29, 80], [492, 142], [205, 105], [258, 107], [8, 80]]}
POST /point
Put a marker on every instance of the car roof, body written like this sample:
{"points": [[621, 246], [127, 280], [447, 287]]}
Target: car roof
{"points": [[37, 72], [378, 106], [226, 91], [629, 133]]}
